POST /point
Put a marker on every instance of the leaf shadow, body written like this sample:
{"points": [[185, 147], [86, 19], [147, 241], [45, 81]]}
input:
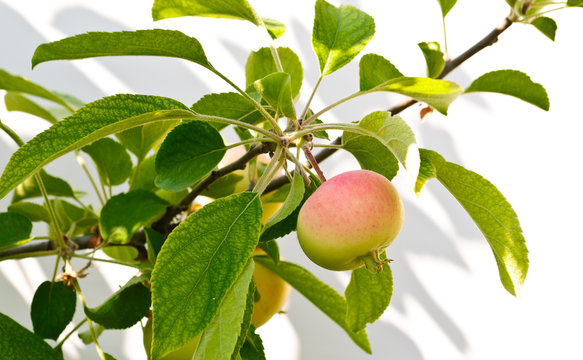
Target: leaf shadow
{"points": [[150, 75], [318, 340], [22, 46], [18, 35], [427, 239], [440, 140]]}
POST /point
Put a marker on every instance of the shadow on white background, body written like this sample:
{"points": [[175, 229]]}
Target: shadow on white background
{"points": [[448, 302]]}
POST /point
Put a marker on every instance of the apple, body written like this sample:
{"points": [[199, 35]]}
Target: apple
{"points": [[273, 293], [184, 353], [350, 220], [233, 154]]}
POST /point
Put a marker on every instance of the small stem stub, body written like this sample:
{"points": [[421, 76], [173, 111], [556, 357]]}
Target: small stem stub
{"points": [[373, 262]]}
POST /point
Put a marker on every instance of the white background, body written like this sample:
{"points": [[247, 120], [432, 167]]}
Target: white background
{"points": [[448, 302]]}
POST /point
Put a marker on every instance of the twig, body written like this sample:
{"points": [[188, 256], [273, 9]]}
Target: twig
{"points": [[319, 157], [488, 40], [47, 247], [314, 163]]}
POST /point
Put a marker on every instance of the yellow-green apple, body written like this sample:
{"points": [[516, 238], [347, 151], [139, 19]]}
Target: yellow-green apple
{"points": [[273, 293], [269, 207], [184, 353]]}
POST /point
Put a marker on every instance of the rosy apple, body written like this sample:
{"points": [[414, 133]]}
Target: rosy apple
{"points": [[349, 221]]}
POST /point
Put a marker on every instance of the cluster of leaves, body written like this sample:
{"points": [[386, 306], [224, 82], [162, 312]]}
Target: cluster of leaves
{"points": [[195, 271]]}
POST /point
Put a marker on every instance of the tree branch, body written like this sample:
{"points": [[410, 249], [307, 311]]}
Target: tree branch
{"points": [[81, 243], [163, 225], [42, 246], [488, 40], [450, 65]]}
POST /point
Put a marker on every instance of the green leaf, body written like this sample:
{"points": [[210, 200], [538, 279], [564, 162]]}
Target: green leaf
{"points": [[446, 6], [339, 34], [275, 29], [73, 219], [227, 105], [52, 309], [243, 134], [16, 102], [220, 338], [367, 296], [113, 162], [188, 153], [288, 224], [172, 197], [34, 212], [125, 307], [436, 93], [18, 343], [322, 134], [123, 214], [155, 240], [86, 336], [246, 323], [54, 186], [73, 101], [141, 140], [534, 7], [126, 254], [271, 249], [144, 175], [153, 42], [19, 84], [433, 57], [321, 295], [191, 278], [375, 70], [15, 230], [574, 2], [371, 153], [398, 138], [490, 211], [545, 25], [293, 200], [252, 349], [229, 9], [260, 63], [513, 83], [276, 90], [90, 123], [276, 196], [225, 186]]}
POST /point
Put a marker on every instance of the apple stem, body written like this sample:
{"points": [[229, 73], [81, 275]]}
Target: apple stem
{"points": [[314, 163], [373, 262]]}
